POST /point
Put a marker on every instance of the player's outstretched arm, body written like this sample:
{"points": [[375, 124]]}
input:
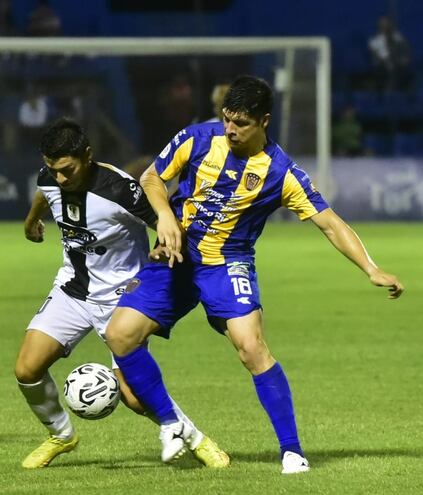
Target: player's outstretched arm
{"points": [[34, 226], [168, 228], [348, 243]]}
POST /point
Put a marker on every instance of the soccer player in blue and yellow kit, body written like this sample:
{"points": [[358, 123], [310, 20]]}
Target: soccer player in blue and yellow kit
{"points": [[231, 178]]}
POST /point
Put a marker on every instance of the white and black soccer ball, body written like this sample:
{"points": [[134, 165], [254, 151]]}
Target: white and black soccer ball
{"points": [[92, 391]]}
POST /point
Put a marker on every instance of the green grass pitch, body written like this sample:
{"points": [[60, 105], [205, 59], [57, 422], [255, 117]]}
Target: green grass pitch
{"points": [[353, 357]]}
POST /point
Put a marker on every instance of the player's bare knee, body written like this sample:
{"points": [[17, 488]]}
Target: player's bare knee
{"points": [[121, 339], [248, 357], [254, 354], [125, 332], [119, 345], [24, 373]]}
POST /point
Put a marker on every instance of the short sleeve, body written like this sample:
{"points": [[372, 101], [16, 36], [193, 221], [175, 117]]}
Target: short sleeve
{"points": [[131, 196], [175, 155], [299, 194], [124, 191], [45, 179]]}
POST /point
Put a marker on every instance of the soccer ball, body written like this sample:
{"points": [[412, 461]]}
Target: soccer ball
{"points": [[92, 391]]}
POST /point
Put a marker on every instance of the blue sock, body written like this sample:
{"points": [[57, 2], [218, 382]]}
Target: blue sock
{"points": [[275, 396], [143, 375]]}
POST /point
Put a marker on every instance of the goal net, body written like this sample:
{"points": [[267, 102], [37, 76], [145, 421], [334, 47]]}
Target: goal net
{"points": [[133, 94]]}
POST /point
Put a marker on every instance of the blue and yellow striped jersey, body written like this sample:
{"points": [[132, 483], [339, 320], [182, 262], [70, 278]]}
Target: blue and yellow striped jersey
{"points": [[222, 200]]}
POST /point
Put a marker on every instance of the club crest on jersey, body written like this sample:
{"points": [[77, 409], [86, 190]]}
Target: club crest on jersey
{"points": [[73, 212], [251, 181]]}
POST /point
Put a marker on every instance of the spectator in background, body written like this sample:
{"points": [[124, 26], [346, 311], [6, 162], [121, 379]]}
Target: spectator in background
{"points": [[216, 98], [391, 57], [177, 103], [137, 166], [33, 111], [33, 116], [346, 134], [44, 21]]}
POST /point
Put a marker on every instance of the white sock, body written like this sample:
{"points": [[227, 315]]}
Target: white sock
{"points": [[196, 435], [43, 400]]}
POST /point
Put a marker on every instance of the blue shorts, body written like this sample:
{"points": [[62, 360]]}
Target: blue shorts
{"points": [[166, 294]]}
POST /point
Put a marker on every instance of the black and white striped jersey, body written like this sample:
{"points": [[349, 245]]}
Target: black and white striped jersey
{"points": [[103, 230]]}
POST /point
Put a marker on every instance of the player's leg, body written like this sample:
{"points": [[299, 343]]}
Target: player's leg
{"points": [[126, 336], [130, 400], [38, 352], [49, 337], [231, 298], [246, 334], [272, 387], [202, 447], [148, 307]]}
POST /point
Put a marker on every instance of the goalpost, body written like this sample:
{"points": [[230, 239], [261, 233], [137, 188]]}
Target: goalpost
{"points": [[117, 79]]}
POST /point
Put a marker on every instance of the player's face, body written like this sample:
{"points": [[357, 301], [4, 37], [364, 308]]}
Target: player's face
{"points": [[69, 172], [245, 135]]}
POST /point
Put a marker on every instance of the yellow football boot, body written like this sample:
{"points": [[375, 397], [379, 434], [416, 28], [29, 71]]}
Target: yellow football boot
{"points": [[209, 454], [48, 450]]}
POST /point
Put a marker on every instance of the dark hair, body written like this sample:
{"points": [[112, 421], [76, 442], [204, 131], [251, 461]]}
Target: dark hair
{"points": [[250, 95], [64, 137]]}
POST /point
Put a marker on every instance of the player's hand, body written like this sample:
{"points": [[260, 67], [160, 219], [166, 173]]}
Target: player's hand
{"points": [[382, 279], [165, 255], [169, 231], [34, 231]]}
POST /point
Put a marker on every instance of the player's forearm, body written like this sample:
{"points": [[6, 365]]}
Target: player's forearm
{"points": [[39, 208], [155, 191], [168, 229], [343, 237], [33, 226]]}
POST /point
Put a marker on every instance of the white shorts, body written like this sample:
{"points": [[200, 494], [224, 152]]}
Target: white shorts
{"points": [[69, 320]]}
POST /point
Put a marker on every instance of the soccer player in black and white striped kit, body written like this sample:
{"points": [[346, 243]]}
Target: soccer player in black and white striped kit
{"points": [[101, 212]]}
